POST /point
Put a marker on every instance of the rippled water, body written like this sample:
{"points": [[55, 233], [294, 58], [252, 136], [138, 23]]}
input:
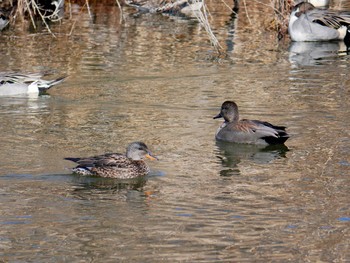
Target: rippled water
{"points": [[154, 78]]}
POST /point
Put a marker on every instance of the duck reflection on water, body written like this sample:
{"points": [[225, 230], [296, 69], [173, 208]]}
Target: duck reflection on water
{"points": [[87, 188], [231, 154], [313, 53], [87, 183]]}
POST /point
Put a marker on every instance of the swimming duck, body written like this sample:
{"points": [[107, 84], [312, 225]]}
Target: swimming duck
{"points": [[12, 83], [116, 165], [166, 6], [247, 131], [307, 23]]}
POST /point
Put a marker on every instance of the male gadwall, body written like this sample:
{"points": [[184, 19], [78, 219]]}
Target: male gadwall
{"points": [[116, 165], [247, 131], [166, 6], [12, 83], [307, 23]]}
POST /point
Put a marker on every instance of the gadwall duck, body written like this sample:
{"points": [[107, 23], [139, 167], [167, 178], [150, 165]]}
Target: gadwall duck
{"points": [[166, 6], [116, 165], [307, 23], [12, 83], [247, 131]]}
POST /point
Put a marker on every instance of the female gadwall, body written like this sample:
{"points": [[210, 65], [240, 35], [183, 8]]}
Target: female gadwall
{"points": [[307, 23], [247, 131], [12, 83], [116, 165], [166, 6]]}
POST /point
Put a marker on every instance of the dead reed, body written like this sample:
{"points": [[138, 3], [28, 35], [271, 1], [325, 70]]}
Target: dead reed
{"points": [[37, 9], [202, 17], [282, 9]]}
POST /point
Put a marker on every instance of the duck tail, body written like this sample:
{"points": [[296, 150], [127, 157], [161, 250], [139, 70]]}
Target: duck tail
{"points": [[282, 135], [56, 81], [45, 85], [281, 138], [347, 38], [273, 140]]}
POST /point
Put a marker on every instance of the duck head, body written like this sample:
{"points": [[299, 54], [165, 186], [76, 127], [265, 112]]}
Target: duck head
{"points": [[139, 151], [229, 111], [302, 8]]}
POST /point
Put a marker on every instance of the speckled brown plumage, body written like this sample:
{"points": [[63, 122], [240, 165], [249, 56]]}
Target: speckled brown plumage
{"points": [[116, 165]]}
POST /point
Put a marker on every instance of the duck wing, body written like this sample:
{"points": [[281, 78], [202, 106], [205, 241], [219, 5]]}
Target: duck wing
{"points": [[12, 77], [115, 159], [329, 18], [257, 127], [105, 160], [272, 134]]}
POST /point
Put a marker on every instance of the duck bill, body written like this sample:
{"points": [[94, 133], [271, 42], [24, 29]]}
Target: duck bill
{"points": [[151, 157], [218, 116]]}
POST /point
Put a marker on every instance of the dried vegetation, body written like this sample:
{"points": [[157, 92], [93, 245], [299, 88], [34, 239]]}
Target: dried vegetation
{"points": [[48, 11]]}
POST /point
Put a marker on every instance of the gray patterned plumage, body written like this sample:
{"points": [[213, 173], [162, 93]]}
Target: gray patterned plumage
{"points": [[116, 165], [14, 83], [247, 131], [307, 23]]}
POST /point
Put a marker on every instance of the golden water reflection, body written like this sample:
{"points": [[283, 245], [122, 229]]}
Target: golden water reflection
{"points": [[152, 79]]}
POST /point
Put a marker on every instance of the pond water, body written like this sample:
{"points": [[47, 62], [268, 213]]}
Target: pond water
{"points": [[155, 78]]}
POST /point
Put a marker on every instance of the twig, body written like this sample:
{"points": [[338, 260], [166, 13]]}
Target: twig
{"points": [[203, 20], [72, 28], [88, 8], [121, 11], [36, 7], [30, 13], [246, 12], [226, 4]]}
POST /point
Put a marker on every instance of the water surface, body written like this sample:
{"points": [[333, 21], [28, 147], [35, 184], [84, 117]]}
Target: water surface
{"points": [[156, 79]]}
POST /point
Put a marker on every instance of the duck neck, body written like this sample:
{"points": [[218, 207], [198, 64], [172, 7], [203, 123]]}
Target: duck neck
{"points": [[232, 118], [133, 156]]}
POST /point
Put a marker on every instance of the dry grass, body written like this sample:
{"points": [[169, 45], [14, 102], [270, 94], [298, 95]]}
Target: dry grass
{"points": [[202, 17], [30, 9], [282, 9]]}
